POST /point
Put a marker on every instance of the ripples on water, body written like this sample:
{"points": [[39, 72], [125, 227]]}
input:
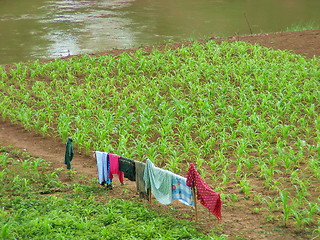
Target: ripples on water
{"points": [[48, 29]]}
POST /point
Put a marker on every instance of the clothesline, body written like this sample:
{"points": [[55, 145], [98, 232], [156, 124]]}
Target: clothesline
{"points": [[164, 185]]}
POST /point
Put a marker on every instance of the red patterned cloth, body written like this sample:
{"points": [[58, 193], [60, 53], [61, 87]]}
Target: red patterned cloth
{"points": [[208, 198], [114, 167]]}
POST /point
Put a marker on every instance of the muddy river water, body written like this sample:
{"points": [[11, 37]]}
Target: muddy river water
{"points": [[38, 29]]}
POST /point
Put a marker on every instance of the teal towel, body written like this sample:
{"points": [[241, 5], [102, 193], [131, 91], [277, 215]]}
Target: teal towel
{"points": [[160, 182]]}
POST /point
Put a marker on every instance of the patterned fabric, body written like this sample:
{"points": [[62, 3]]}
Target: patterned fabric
{"points": [[114, 166], [208, 198], [103, 167], [160, 182], [181, 191], [127, 166]]}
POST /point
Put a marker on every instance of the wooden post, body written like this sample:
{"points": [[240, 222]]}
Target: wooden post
{"points": [[149, 194], [195, 203]]}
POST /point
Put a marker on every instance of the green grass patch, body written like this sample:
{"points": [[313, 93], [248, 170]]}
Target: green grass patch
{"points": [[303, 27]]}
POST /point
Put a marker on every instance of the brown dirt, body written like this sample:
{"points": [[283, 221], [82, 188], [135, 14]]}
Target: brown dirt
{"points": [[238, 220], [306, 43]]}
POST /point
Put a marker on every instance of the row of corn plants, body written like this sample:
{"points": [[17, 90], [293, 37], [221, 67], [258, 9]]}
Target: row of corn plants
{"points": [[248, 113]]}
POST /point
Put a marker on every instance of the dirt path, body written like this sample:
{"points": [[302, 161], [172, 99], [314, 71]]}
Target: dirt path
{"points": [[53, 151], [43, 147]]}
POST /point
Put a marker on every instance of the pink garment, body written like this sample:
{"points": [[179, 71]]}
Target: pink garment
{"points": [[114, 167], [208, 198]]}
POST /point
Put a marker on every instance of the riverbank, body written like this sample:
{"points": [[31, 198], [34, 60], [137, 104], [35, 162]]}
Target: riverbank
{"points": [[305, 43]]}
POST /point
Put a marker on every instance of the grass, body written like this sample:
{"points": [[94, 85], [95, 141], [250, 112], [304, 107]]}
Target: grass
{"points": [[247, 116], [303, 27], [35, 204]]}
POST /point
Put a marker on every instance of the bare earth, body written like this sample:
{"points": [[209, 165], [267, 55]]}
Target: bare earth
{"points": [[306, 43], [237, 219]]}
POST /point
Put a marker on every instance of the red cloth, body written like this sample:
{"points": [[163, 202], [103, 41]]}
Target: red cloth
{"points": [[114, 167], [208, 198]]}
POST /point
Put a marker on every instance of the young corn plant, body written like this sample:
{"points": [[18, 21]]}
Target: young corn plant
{"points": [[286, 208]]}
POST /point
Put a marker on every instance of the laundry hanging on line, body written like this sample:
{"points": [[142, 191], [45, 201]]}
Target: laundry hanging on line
{"points": [[164, 185], [159, 181], [103, 165], [208, 198], [180, 190], [69, 153], [167, 186], [109, 164], [114, 167], [127, 166], [140, 184]]}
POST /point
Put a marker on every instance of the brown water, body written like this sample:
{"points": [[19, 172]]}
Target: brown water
{"points": [[49, 29]]}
